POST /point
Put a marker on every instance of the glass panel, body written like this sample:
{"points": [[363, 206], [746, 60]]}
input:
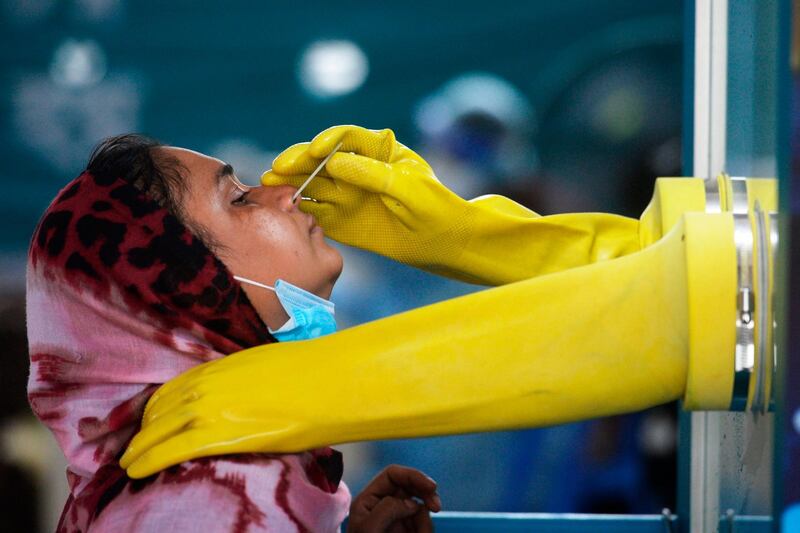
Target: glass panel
{"points": [[746, 439]]}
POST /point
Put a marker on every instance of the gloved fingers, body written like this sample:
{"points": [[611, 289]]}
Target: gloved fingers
{"points": [[376, 144], [323, 212], [321, 188], [181, 390], [180, 401], [294, 160], [303, 158], [404, 153], [271, 178], [185, 379], [154, 433], [150, 408], [363, 172], [182, 447]]}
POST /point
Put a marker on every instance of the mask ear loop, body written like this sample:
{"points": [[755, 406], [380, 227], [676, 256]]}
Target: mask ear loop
{"points": [[251, 282]]}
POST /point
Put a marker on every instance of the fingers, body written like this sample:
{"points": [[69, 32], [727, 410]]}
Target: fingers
{"points": [[369, 174], [390, 510], [387, 503], [375, 144], [437, 504], [410, 479], [321, 188], [325, 198], [177, 399], [184, 447], [274, 179], [150, 407], [181, 384], [294, 160], [413, 482], [422, 521], [303, 158], [404, 153], [161, 402], [153, 434]]}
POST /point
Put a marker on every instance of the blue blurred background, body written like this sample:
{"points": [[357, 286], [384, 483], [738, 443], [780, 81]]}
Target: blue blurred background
{"points": [[564, 106]]}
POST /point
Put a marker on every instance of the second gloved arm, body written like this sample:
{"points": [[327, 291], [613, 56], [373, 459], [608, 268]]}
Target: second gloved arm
{"points": [[539, 352], [379, 195]]}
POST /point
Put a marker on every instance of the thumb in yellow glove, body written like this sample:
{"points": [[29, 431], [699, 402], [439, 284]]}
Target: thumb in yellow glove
{"points": [[383, 197]]}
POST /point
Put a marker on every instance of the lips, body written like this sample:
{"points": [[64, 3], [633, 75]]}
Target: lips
{"points": [[312, 223]]}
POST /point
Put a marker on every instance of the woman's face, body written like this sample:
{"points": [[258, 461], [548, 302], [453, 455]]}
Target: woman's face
{"points": [[263, 235]]}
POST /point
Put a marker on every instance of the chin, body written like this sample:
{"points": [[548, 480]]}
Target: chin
{"points": [[336, 265], [331, 264]]}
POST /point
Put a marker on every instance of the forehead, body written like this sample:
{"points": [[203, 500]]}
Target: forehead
{"points": [[199, 171], [195, 162]]}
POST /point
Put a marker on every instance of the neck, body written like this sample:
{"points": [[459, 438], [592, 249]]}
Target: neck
{"points": [[267, 306]]}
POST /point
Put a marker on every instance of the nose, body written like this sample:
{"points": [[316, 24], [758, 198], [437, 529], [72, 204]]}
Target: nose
{"points": [[279, 196]]}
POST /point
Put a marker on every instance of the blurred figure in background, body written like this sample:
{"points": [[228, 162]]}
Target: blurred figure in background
{"points": [[478, 132]]}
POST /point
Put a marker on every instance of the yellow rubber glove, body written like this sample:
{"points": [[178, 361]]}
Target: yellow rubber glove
{"points": [[602, 339], [379, 195]]}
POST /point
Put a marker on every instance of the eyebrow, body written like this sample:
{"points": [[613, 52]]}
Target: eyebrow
{"points": [[223, 172]]}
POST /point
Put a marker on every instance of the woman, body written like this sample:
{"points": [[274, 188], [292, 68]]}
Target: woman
{"points": [[130, 283]]}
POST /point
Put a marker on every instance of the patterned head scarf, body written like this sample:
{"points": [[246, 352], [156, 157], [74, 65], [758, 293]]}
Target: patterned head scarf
{"points": [[122, 297]]}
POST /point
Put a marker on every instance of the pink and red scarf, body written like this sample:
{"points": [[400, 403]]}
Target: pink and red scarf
{"points": [[121, 297]]}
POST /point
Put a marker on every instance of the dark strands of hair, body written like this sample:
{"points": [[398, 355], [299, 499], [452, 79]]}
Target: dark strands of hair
{"points": [[140, 161], [137, 160]]}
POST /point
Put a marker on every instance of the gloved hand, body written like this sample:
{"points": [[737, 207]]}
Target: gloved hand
{"points": [[379, 195]]}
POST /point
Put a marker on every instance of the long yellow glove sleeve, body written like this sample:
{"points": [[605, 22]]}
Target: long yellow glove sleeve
{"points": [[378, 195], [602, 339]]}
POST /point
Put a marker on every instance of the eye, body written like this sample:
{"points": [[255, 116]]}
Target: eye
{"points": [[241, 199]]}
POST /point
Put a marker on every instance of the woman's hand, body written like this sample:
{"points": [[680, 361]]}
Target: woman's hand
{"points": [[376, 194], [386, 504]]}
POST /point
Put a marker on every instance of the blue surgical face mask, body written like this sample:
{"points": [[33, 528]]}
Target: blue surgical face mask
{"points": [[309, 315]]}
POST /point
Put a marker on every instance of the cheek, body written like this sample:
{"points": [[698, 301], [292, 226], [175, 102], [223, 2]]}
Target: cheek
{"points": [[273, 241], [270, 231]]}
